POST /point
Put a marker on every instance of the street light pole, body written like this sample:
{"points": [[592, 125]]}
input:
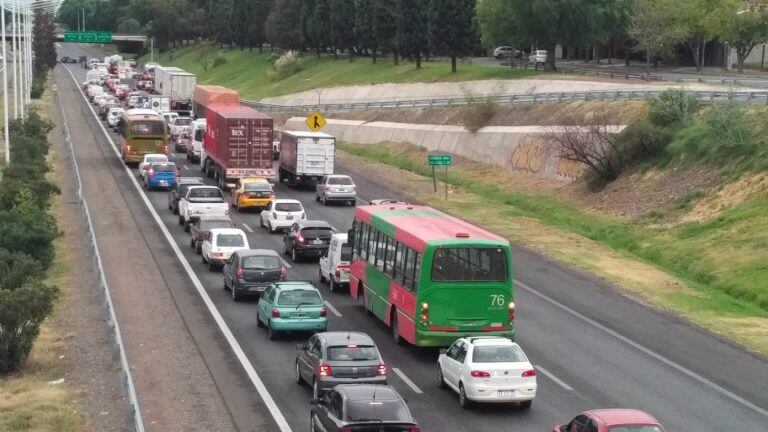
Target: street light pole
{"points": [[14, 18], [31, 52], [6, 134], [83, 10]]}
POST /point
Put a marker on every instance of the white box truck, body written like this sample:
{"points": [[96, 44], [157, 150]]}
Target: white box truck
{"points": [[306, 157], [176, 84]]}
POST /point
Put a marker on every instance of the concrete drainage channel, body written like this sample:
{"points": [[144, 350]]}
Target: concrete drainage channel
{"points": [[133, 419]]}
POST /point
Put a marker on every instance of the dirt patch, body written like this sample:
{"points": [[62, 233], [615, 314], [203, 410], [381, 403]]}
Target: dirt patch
{"points": [[728, 196]]}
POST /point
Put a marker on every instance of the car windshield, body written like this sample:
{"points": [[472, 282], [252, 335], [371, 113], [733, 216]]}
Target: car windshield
{"points": [[229, 240], [635, 428], [208, 225], [257, 187], [384, 410], [340, 181], [262, 262], [468, 264], [297, 297], [352, 353], [199, 134], [182, 121], [346, 252], [498, 354], [288, 207], [164, 167], [317, 232]]}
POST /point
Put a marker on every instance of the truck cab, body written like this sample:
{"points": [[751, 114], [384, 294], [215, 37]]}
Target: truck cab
{"points": [[334, 264]]}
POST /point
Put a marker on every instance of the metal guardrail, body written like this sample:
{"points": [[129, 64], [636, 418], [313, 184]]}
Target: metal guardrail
{"points": [[517, 99], [133, 418]]}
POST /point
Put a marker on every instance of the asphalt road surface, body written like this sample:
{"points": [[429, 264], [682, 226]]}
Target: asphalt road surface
{"points": [[593, 347]]}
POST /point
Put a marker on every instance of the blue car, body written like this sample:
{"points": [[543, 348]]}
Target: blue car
{"points": [[161, 175]]}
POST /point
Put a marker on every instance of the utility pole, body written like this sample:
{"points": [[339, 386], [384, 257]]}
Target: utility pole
{"points": [[83, 9], [14, 18], [6, 134]]}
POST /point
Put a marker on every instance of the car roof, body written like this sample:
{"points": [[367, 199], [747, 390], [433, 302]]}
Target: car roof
{"points": [[227, 231], [366, 392], [286, 200], [257, 252], [295, 285], [622, 416], [489, 340], [343, 237], [204, 186], [346, 337], [189, 180], [314, 224]]}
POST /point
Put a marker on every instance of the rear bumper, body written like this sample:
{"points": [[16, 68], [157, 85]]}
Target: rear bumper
{"points": [[327, 383], [252, 288], [161, 183], [339, 196], [255, 202], [446, 338], [281, 224], [311, 324], [310, 251], [490, 393]]}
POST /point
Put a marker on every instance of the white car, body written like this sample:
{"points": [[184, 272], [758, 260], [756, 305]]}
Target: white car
{"points": [[220, 244], [504, 52], [282, 214], [169, 117], [178, 125], [113, 115], [487, 369], [539, 57], [150, 158], [334, 264]]}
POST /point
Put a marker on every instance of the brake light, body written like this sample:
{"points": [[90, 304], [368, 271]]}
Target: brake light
{"points": [[381, 370], [345, 430], [299, 238], [275, 313], [354, 187], [151, 173], [128, 148], [303, 216], [324, 370], [424, 313], [511, 311], [282, 272], [414, 429], [274, 215], [323, 312], [165, 149], [480, 374], [327, 187], [529, 373], [240, 274]]}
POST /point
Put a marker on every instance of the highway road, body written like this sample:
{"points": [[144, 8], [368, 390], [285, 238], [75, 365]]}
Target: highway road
{"points": [[593, 346]]}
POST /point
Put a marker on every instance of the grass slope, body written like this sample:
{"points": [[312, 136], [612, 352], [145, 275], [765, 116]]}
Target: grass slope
{"points": [[248, 72]]}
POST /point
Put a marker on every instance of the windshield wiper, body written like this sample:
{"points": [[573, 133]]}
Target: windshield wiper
{"points": [[302, 304]]}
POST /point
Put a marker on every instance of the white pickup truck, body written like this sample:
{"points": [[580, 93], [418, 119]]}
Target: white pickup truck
{"points": [[201, 201]]}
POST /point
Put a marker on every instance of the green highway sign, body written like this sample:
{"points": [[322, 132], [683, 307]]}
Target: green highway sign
{"points": [[88, 36], [439, 160]]}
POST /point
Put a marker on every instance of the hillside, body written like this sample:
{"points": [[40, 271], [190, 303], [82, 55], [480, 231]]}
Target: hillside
{"points": [[249, 72]]}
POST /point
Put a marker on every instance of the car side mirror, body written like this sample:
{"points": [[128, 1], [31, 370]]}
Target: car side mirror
{"points": [[315, 402], [443, 351], [405, 399]]}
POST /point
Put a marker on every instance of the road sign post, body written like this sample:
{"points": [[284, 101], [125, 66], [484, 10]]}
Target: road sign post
{"points": [[442, 160]]}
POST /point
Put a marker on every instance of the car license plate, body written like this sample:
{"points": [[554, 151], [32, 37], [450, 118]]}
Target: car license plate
{"points": [[163, 183], [506, 393], [289, 217], [318, 241]]}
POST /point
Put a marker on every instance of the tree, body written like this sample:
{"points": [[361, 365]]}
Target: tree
{"points": [[364, 27], [283, 27], [701, 20], [43, 43], [414, 15], [656, 28], [387, 24], [130, 26], [744, 29], [343, 26], [321, 25], [496, 20], [452, 28]]}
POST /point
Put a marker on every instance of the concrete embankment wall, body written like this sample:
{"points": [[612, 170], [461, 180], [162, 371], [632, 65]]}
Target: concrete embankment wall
{"points": [[512, 147]]}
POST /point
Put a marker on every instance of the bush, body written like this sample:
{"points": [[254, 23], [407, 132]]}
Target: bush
{"points": [[37, 89], [21, 312], [642, 140], [16, 269], [288, 64], [476, 116], [730, 131], [219, 60], [672, 106]]}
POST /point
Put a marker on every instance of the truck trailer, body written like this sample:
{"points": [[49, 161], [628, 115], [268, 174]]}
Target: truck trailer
{"points": [[176, 84], [237, 144], [207, 95], [306, 157]]}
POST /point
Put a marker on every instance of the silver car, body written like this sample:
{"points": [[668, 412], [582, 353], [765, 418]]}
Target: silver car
{"points": [[336, 187]]}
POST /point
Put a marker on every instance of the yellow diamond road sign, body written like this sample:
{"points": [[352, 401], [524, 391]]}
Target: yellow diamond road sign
{"points": [[315, 121]]}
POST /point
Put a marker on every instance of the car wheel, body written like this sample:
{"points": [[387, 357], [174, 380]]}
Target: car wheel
{"points": [[440, 378], [320, 272], [331, 285], [463, 401], [526, 404], [315, 389], [211, 265], [192, 243], [261, 222], [202, 256], [317, 197], [258, 320], [294, 257], [236, 295], [198, 248], [272, 333], [299, 379], [271, 228], [175, 209], [396, 330], [181, 220], [237, 205], [353, 203], [170, 205]]}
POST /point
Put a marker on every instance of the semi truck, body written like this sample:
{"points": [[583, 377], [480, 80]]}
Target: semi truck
{"points": [[176, 84], [207, 95], [305, 157], [237, 144]]}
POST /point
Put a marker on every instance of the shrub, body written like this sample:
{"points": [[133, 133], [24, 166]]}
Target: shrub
{"points": [[672, 106], [22, 310], [31, 232], [642, 139], [730, 131], [288, 64], [16, 269], [37, 89], [476, 116], [219, 60]]}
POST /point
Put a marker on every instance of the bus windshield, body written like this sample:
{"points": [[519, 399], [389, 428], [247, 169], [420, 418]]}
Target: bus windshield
{"points": [[469, 264]]}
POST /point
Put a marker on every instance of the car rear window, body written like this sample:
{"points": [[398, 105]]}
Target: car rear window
{"points": [[634, 428], [257, 187], [199, 134], [182, 121], [211, 224], [346, 252], [340, 181], [352, 353], [151, 159], [262, 262], [384, 410], [164, 167], [317, 232], [469, 264], [205, 193], [149, 127], [229, 240], [288, 207], [498, 354], [299, 296]]}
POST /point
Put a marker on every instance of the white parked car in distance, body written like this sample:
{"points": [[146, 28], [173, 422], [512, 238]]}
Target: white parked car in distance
{"points": [[504, 52], [334, 264], [148, 159], [220, 244], [487, 369], [538, 57], [282, 214]]}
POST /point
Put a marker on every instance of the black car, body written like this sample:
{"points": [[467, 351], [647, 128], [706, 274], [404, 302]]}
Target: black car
{"points": [[198, 230], [179, 189], [66, 59], [251, 271], [309, 238], [362, 407], [328, 359]]}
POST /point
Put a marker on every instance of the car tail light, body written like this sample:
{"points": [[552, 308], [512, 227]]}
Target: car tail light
{"points": [[240, 274], [424, 313], [282, 272], [345, 430], [127, 148], [511, 311], [303, 216], [165, 149], [299, 238], [327, 187], [275, 313], [381, 370], [529, 373], [414, 429], [354, 187], [145, 166], [323, 312], [324, 370], [274, 215], [151, 173], [480, 374]]}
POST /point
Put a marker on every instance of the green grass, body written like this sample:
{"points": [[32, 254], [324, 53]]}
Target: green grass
{"points": [[248, 72]]}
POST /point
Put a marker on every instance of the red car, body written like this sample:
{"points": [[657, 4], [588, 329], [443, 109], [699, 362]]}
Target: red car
{"points": [[611, 420]]}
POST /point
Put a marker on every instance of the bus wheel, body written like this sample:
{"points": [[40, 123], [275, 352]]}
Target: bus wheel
{"points": [[396, 329]]}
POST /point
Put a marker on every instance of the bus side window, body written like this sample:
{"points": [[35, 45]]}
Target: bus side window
{"points": [[372, 246], [410, 261], [381, 251], [397, 275], [389, 261], [416, 273]]}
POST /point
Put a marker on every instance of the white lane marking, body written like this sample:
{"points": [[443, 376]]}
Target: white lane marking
{"points": [[551, 376], [277, 415], [333, 309], [185, 167], [648, 351], [285, 263], [245, 225], [407, 380]]}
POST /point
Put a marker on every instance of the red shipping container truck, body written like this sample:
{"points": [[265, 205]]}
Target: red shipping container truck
{"points": [[237, 144], [207, 95]]}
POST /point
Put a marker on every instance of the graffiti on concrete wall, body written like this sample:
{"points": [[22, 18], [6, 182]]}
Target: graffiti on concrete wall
{"points": [[530, 154], [569, 169]]}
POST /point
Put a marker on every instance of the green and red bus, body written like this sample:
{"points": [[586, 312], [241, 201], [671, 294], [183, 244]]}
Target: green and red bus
{"points": [[431, 277]]}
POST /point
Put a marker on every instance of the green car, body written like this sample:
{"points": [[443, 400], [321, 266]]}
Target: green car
{"points": [[291, 306]]}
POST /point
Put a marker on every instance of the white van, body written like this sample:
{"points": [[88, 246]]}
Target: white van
{"points": [[195, 145], [334, 264]]}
